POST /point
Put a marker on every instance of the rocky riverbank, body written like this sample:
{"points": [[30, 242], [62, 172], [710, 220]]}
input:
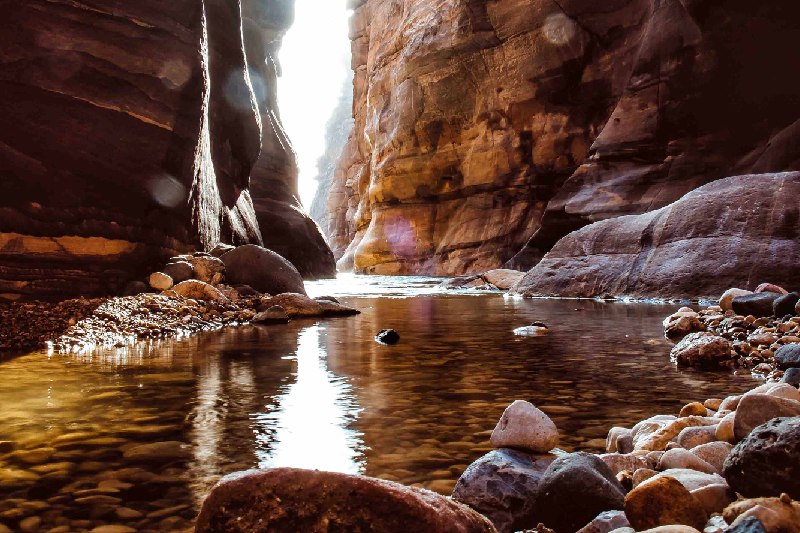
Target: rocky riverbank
{"points": [[193, 293]]}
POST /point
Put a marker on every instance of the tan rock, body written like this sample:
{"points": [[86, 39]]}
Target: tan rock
{"points": [[199, 290], [694, 408], [160, 281], [503, 278], [662, 501], [776, 514]]}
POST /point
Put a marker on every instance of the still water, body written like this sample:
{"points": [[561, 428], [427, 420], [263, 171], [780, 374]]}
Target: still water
{"points": [[323, 394]]}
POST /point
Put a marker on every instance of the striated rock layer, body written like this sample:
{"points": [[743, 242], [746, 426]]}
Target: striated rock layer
{"points": [[736, 231], [135, 130], [482, 126]]}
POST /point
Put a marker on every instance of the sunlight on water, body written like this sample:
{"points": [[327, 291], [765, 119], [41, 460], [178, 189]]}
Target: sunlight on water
{"points": [[308, 425]]}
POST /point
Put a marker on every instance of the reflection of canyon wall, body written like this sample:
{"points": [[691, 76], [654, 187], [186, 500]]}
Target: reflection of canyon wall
{"points": [[133, 130], [480, 126], [337, 131]]}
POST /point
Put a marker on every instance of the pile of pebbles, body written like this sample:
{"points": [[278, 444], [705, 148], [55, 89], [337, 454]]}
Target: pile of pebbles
{"points": [[749, 331], [726, 465], [190, 295]]}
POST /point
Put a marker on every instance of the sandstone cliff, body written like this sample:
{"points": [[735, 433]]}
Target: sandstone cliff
{"points": [[133, 130], [483, 125]]}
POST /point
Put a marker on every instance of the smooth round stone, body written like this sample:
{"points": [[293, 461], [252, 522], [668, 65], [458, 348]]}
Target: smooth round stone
{"points": [[662, 501], [756, 409], [713, 453], [694, 408], [160, 281], [525, 427], [680, 458], [694, 436], [791, 376], [724, 430]]}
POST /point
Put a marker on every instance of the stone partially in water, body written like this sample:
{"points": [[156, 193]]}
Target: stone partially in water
{"points": [[387, 336], [291, 500], [525, 427], [703, 350], [767, 461], [503, 278], [681, 323], [575, 489], [275, 314], [159, 452], [502, 485]]}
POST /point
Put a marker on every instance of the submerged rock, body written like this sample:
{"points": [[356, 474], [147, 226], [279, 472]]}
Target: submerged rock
{"points": [[767, 461], [525, 427], [291, 500], [387, 336], [275, 314], [503, 486], [535, 329]]}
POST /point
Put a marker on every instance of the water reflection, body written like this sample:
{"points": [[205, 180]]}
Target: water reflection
{"points": [[308, 425]]}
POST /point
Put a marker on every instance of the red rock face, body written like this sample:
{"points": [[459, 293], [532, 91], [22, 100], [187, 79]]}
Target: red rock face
{"points": [[482, 125], [134, 130]]}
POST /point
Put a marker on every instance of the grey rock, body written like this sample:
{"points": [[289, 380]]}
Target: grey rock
{"points": [[749, 524], [767, 462], [791, 376], [606, 522], [785, 304], [788, 356], [503, 485], [576, 488], [757, 304], [263, 270]]}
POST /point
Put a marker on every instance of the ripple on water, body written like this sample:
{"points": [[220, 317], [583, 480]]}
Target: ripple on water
{"points": [[136, 436]]}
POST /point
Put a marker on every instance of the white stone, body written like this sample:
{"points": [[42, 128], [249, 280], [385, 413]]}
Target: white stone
{"points": [[726, 300], [525, 427]]}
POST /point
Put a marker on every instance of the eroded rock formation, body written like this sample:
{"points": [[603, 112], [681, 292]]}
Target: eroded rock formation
{"points": [[736, 231], [135, 130], [483, 125]]}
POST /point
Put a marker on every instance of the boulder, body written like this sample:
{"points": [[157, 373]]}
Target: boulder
{"points": [[207, 268], [726, 300], [525, 427], [290, 500], [756, 409], [662, 501], [788, 356], [680, 324], [757, 304], [160, 281], [606, 522], [198, 290], [179, 271], [703, 350], [767, 461], [785, 305], [503, 278], [263, 270], [575, 488], [503, 486]]}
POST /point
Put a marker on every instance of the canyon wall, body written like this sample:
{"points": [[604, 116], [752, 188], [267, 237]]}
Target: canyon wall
{"points": [[486, 130], [135, 130]]}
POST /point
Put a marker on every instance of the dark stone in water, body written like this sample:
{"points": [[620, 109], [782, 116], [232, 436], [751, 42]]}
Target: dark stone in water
{"points": [[788, 356], [767, 461], [792, 377], [575, 489], [751, 524], [502, 486], [758, 304], [785, 304], [387, 336]]}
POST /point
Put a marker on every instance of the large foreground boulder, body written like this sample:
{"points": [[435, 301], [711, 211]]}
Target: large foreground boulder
{"points": [[767, 462], [291, 500], [698, 246], [262, 269]]}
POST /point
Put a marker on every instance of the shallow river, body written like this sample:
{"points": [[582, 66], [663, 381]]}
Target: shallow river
{"points": [[322, 394]]}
